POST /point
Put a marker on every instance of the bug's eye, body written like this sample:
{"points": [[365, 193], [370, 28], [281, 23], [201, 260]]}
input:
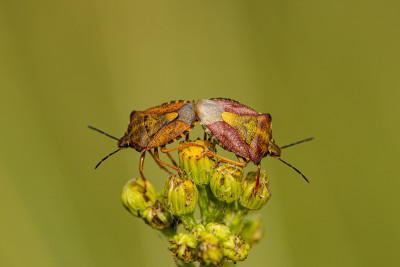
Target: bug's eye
{"points": [[123, 145], [123, 142]]}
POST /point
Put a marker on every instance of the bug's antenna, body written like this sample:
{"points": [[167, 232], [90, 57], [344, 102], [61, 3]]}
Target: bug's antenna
{"points": [[296, 143], [98, 164], [100, 131], [293, 169]]}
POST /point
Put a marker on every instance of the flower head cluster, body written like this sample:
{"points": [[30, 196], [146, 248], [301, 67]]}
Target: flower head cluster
{"points": [[223, 196]]}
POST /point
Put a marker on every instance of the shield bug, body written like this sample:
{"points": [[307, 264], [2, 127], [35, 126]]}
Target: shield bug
{"points": [[241, 130], [156, 127]]}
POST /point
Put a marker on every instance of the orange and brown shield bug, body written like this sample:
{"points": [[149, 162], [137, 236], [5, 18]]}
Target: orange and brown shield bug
{"points": [[156, 127], [241, 130]]}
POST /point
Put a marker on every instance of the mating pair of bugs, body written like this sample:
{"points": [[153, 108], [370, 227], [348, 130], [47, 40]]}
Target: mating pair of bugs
{"points": [[234, 126]]}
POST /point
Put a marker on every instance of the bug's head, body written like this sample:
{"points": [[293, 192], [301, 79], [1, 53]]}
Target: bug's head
{"points": [[128, 141], [273, 149], [124, 142]]}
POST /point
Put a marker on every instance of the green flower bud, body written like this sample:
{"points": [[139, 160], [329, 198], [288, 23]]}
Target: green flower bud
{"points": [[197, 169], [248, 199], [209, 249], [235, 249], [197, 230], [219, 230], [227, 183], [183, 247], [135, 199], [252, 231], [157, 217], [180, 196]]}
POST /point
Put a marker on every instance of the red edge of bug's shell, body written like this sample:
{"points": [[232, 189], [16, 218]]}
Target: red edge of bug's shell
{"points": [[235, 107]]}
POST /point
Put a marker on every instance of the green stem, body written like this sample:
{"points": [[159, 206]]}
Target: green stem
{"points": [[204, 201], [169, 232], [237, 221], [218, 213], [188, 221]]}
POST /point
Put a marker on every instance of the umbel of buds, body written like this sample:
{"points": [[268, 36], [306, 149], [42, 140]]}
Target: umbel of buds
{"points": [[221, 233]]}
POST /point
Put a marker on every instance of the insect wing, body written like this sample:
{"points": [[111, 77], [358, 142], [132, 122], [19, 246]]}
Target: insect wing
{"points": [[233, 106], [169, 122], [245, 125], [210, 114], [154, 122]]}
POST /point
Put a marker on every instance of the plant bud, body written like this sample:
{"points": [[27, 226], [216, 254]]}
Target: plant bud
{"points": [[227, 183], [156, 216], [235, 249], [219, 230], [209, 249], [197, 230], [248, 199], [180, 196], [183, 247], [135, 199], [197, 169]]}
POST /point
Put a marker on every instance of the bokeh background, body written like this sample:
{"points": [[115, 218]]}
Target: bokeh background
{"points": [[328, 69]]}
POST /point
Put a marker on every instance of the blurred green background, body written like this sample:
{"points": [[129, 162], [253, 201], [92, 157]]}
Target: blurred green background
{"points": [[328, 69]]}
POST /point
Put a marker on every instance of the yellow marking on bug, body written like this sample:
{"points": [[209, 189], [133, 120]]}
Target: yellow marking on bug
{"points": [[154, 122], [245, 125]]}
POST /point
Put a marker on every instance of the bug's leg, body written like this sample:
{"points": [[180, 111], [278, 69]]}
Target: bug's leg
{"points": [[159, 164], [166, 164], [141, 169], [241, 160], [258, 179], [217, 164], [172, 159], [187, 137], [165, 150], [241, 163], [205, 136]]}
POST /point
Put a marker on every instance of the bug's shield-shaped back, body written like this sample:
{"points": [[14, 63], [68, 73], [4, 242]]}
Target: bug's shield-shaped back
{"points": [[154, 122], [262, 139], [169, 122], [254, 130], [210, 114], [245, 125]]}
